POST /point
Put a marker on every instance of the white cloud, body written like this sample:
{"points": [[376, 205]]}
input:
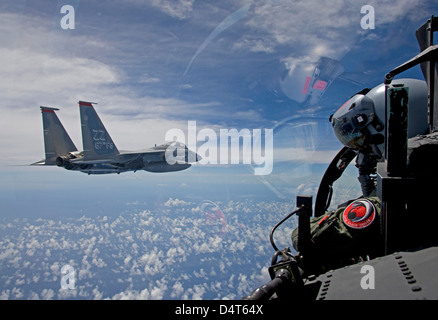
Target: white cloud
{"points": [[317, 28], [176, 203], [32, 74], [4, 294], [107, 266], [155, 293], [180, 9], [97, 295], [194, 293], [159, 290], [17, 293], [177, 290], [152, 262], [127, 260], [47, 294], [130, 294], [303, 24]]}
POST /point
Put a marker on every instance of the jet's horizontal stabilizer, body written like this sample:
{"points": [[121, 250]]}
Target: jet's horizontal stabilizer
{"points": [[39, 163]]}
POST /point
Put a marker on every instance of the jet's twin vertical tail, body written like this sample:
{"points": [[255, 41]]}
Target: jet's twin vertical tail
{"points": [[96, 140], [57, 142]]}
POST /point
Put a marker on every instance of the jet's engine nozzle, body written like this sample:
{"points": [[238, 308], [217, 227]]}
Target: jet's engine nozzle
{"points": [[64, 161], [61, 161]]}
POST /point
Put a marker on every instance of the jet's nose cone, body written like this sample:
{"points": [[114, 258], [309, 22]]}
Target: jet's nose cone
{"points": [[193, 156]]}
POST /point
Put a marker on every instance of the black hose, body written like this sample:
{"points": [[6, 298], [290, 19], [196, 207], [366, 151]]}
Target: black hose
{"points": [[266, 291], [271, 236]]}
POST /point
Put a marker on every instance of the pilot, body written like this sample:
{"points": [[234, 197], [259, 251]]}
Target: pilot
{"points": [[352, 233], [359, 124]]}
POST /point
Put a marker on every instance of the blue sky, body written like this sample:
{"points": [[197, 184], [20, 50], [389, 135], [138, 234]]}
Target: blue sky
{"points": [[155, 65], [152, 66]]}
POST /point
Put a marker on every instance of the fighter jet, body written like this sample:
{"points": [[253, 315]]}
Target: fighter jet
{"points": [[100, 155]]}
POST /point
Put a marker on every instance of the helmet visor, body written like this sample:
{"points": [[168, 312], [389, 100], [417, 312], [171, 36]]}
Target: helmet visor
{"points": [[346, 133]]}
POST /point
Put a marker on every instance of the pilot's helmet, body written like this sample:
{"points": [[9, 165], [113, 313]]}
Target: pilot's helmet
{"points": [[360, 121]]}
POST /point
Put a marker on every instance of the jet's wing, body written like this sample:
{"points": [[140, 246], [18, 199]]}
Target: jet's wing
{"points": [[148, 155], [57, 142], [170, 152], [96, 140]]}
